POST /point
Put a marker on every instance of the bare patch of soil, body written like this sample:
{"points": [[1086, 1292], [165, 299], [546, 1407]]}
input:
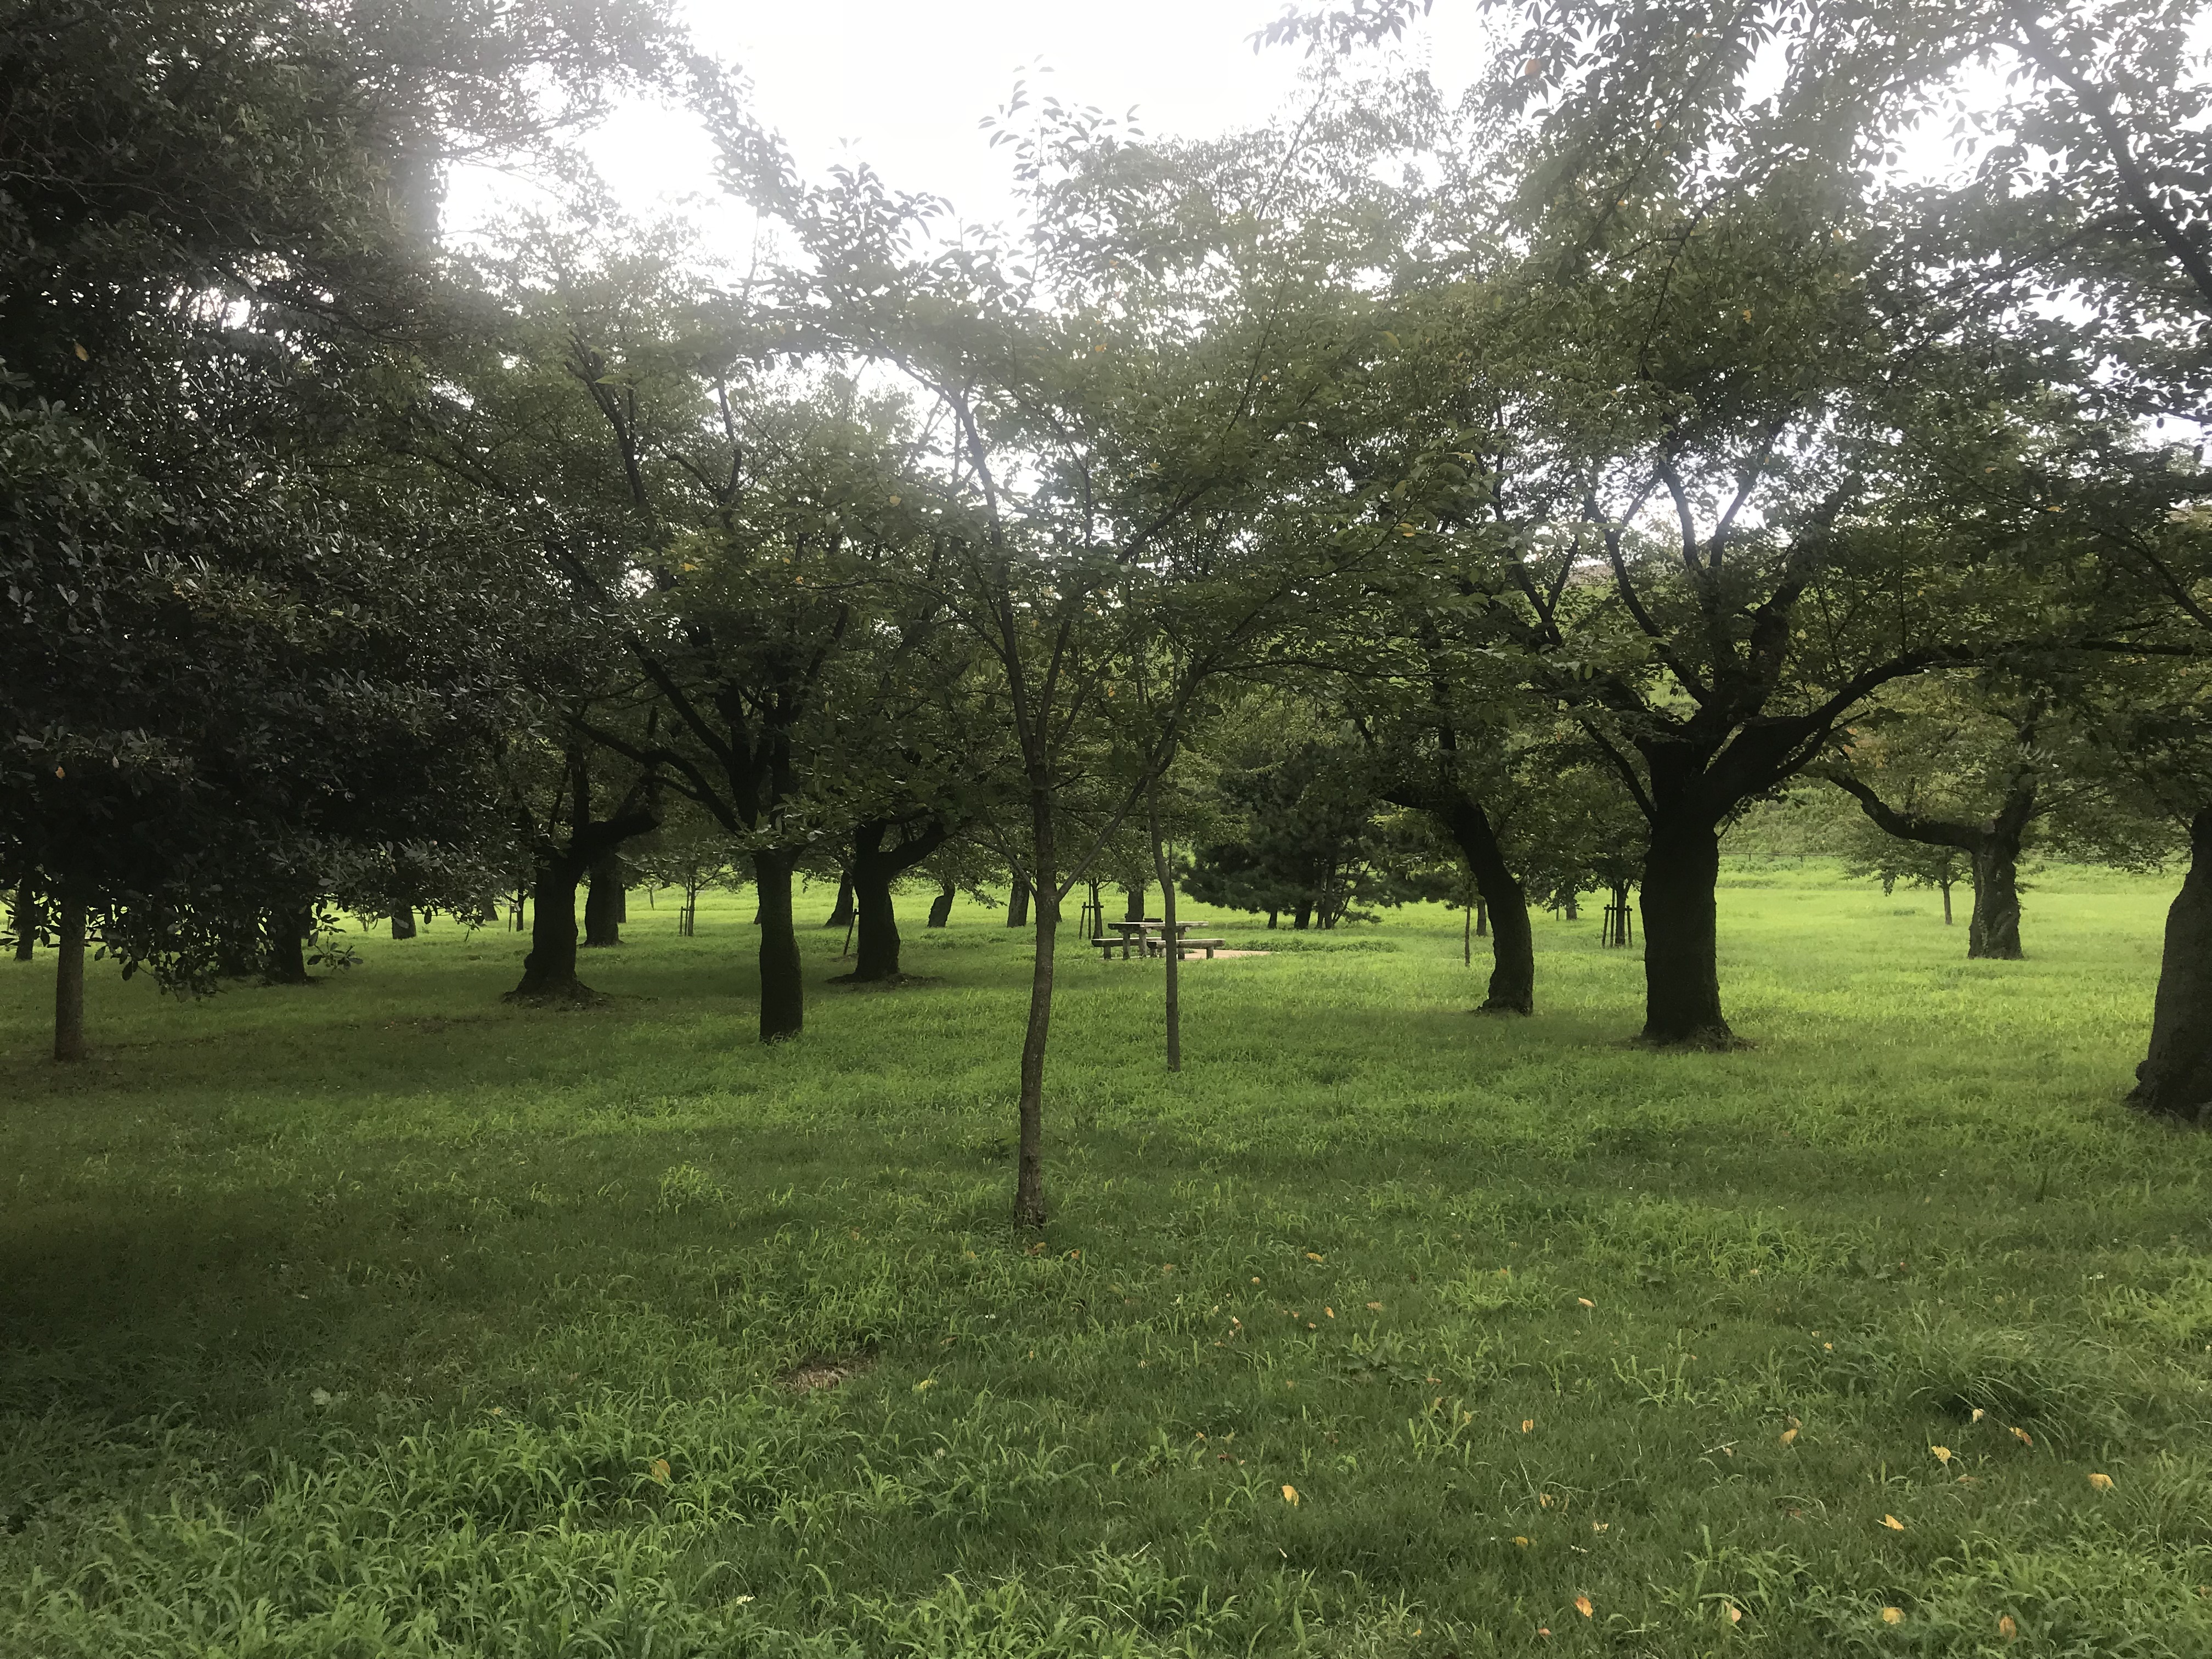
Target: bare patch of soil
{"points": [[812, 1375]]}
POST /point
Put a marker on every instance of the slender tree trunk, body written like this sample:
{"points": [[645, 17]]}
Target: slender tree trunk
{"points": [[1993, 928], [840, 913], [1029, 1163], [1482, 916], [1682, 942], [940, 907], [1947, 903], [1018, 903], [879, 958], [2175, 1077], [783, 989], [1274, 918], [1132, 909], [27, 918], [1574, 907], [402, 921], [1504, 903], [549, 971], [69, 974], [285, 934], [603, 903], [1173, 940]]}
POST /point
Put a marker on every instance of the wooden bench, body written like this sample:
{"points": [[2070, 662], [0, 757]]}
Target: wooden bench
{"points": [[1210, 945]]}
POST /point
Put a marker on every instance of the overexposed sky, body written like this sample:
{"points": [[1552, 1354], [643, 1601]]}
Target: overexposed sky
{"points": [[902, 87]]}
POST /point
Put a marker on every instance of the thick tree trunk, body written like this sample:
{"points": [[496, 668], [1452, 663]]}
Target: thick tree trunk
{"points": [[26, 919], [1132, 906], [840, 913], [1574, 907], [1993, 929], [402, 921], [1018, 903], [1274, 919], [69, 976], [549, 971], [1302, 918], [1947, 903], [603, 903], [940, 907], [879, 933], [1173, 956], [782, 990], [1029, 1157], [1681, 964], [285, 932], [2175, 1079], [1504, 904]]}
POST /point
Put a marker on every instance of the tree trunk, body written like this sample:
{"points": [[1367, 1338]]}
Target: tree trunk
{"points": [[878, 932], [1132, 909], [550, 969], [1302, 917], [2175, 1079], [602, 904], [285, 932], [940, 907], [1681, 964], [1993, 928], [1947, 903], [1504, 903], [1481, 917], [1173, 956], [1574, 907], [840, 913], [1274, 918], [782, 990], [1028, 1160], [27, 918], [69, 976], [402, 921], [1018, 903]]}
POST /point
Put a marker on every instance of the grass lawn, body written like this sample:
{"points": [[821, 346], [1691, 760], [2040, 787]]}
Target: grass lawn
{"points": [[378, 1317]]}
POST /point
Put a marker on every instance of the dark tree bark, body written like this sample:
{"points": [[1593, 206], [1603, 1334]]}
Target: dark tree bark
{"points": [[1018, 903], [549, 971], [69, 976], [1029, 1156], [940, 907], [26, 919], [285, 933], [1502, 903], [1481, 917], [402, 921], [1173, 1005], [603, 901], [782, 988], [2175, 1077], [1574, 907], [1132, 907], [1991, 847], [840, 913], [885, 849], [1681, 935], [1302, 916]]}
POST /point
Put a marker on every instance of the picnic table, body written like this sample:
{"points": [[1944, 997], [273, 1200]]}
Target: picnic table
{"points": [[1150, 936]]}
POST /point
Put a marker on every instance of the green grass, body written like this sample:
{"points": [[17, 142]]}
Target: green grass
{"points": [[378, 1317]]}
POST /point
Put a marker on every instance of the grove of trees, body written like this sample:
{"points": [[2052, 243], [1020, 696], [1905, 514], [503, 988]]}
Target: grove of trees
{"points": [[1487, 499]]}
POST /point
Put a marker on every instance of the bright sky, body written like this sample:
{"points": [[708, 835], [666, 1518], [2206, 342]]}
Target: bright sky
{"points": [[902, 87]]}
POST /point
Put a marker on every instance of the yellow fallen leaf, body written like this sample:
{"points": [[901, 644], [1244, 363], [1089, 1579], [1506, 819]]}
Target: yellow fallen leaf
{"points": [[1893, 1616], [1788, 1434], [1522, 1542], [1978, 1415], [2006, 1628], [2101, 1482], [1941, 1454], [1290, 1496], [1585, 1301], [1892, 1523], [660, 1470], [1582, 1606], [1735, 1612], [926, 1383], [1375, 1306], [1600, 1526], [1330, 1313], [1310, 1256], [1544, 1500], [2023, 1437]]}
